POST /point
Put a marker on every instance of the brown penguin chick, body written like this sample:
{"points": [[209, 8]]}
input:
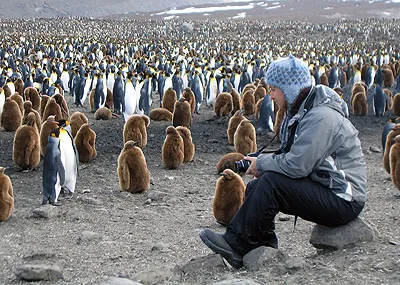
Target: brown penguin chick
{"points": [[160, 114], [103, 113], [359, 104], [389, 101], [223, 105], [169, 99], [11, 117], [396, 104], [181, 115], [339, 91], [229, 196], [324, 79], [280, 115], [388, 78], [28, 109], [76, 120], [133, 174], [235, 100], [31, 94], [85, 142], [7, 90], [91, 98], [228, 160], [389, 142], [189, 95], [20, 101], [259, 93], [52, 108], [188, 146], [357, 87], [258, 107], [109, 99], [249, 86], [26, 147], [248, 103], [19, 86], [364, 71], [63, 104], [6, 196], [244, 139], [135, 129], [173, 149], [234, 122], [395, 162], [43, 103], [47, 127]]}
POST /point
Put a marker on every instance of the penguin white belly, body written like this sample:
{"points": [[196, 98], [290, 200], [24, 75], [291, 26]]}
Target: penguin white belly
{"points": [[213, 94], [65, 80], [86, 91], [103, 101], [12, 87], [2, 100], [110, 81], [68, 159], [130, 100], [57, 187]]}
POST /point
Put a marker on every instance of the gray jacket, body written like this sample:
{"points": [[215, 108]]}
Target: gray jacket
{"points": [[326, 148]]}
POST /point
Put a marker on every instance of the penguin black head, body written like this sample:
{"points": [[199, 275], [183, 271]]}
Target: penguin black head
{"points": [[55, 133], [63, 123]]}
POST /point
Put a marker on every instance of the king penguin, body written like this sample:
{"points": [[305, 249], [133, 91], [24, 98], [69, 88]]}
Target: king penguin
{"points": [[53, 176], [266, 116], [130, 100]]}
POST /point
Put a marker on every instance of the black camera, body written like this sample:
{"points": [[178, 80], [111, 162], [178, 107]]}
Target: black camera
{"points": [[244, 164]]}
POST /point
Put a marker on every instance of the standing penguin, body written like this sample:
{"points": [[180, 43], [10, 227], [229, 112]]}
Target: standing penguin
{"points": [[211, 90], [6, 196], [197, 88], [26, 147], [133, 174], [173, 149], [145, 97], [27, 110], [53, 176], [169, 99], [188, 145], [32, 95], [234, 122], [135, 129], [244, 139], [118, 94], [85, 142], [76, 120], [130, 98], [229, 196], [395, 162], [223, 105], [189, 95], [52, 108], [100, 93], [69, 156], [379, 102], [389, 140], [266, 116], [229, 161], [47, 127], [11, 117], [182, 114]]}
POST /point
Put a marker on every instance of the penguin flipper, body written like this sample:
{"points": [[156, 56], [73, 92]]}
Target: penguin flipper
{"points": [[60, 168], [125, 176]]}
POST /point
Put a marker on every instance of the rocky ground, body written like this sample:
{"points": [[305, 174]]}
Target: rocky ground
{"points": [[152, 237]]}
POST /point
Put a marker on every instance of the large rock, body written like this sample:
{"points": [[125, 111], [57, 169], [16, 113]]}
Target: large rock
{"points": [[47, 211], [264, 257], [39, 272], [356, 231]]}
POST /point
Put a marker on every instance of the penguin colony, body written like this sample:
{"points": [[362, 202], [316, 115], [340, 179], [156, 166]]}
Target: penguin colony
{"points": [[114, 77]]}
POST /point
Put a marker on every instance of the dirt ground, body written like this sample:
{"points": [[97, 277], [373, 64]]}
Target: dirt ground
{"points": [[159, 228]]}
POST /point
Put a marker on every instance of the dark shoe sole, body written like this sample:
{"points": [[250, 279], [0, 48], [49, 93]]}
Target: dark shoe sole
{"points": [[228, 255]]}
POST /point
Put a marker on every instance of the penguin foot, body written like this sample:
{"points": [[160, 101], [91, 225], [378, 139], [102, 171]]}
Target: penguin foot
{"points": [[56, 203]]}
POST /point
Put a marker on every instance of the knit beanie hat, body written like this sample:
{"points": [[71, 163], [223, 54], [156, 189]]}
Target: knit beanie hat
{"points": [[289, 74]]}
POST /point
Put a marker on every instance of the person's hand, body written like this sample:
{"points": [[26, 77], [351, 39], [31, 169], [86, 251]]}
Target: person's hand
{"points": [[252, 170]]}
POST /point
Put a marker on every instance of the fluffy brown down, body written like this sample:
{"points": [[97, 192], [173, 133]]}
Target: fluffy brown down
{"points": [[91, 98], [169, 99], [160, 114], [52, 108], [229, 196], [173, 149], [223, 105], [259, 93], [28, 109], [135, 129], [43, 103], [396, 104], [189, 95], [6, 196], [280, 114], [31, 94], [188, 146], [134, 177], [76, 120], [388, 78], [244, 139], [248, 103], [103, 113], [389, 101], [249, 86], [234, 122], [7, 90], [228, 160], [19, 86], [11, 117], [20, 101], [258, 107], [85, 142], [182, 115], [389, 142], [47, 127], [235, 100], [63, 104], [359, 104], [357, 87], [26, 147], [109, 99], [395, 162]]}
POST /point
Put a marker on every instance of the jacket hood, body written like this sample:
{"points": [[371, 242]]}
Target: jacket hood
{"points": [[328, 97]]}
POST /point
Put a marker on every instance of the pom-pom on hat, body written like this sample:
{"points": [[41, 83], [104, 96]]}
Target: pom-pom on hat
{"points": [[291, 75]]}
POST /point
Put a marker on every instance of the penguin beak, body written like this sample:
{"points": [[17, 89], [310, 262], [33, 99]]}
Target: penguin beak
{"points": [[136, 142], [223, 174]]}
